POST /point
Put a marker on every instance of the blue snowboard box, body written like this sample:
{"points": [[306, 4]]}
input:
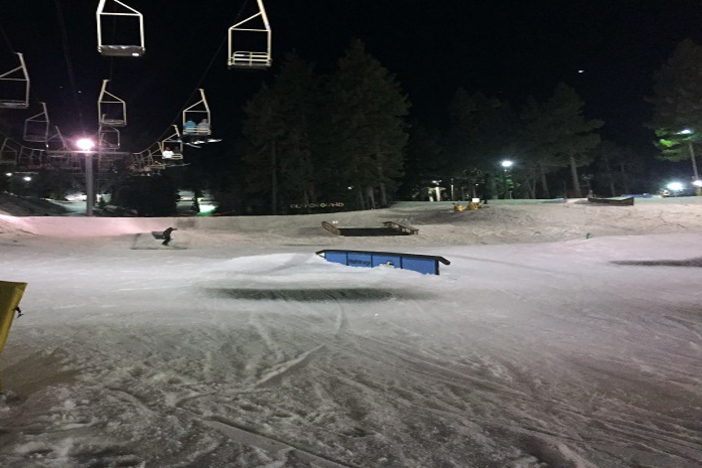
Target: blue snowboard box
{"points": [[425, 264]]}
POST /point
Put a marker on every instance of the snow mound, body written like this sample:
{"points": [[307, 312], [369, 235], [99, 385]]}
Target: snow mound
{"points": [[28, 206], [501, 222]]}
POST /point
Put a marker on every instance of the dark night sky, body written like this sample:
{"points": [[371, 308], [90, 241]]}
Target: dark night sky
{"points": [[508, 49]]}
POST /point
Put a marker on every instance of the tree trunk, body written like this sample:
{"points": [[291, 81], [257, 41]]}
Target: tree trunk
{"points": [[574, 175], [383, 195], [361, 201], [610, 176], [371, 197], [383, 191], [695, 174], [624, 178], [492, 187], [544, 181], [274, 181], [306, 201]]}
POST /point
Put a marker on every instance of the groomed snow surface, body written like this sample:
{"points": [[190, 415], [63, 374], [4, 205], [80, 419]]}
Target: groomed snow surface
{"points": [[561, 335]]}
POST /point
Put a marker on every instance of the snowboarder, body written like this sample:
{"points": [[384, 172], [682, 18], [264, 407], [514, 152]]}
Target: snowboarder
{"points": [[167, 235]]}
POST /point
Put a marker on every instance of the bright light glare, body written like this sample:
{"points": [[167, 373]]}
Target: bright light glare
{"points": [[27, 178], [8, 174], [507, 163], [675, 186], [85, 144], [697, 183], [687, 131]]}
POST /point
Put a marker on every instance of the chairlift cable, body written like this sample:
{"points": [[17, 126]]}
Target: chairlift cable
{"points": [[7, 39], [69, 64], [177, 118], [112, 58]]}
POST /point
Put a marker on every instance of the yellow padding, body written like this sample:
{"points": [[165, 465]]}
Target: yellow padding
{"points": [[10, 296]]}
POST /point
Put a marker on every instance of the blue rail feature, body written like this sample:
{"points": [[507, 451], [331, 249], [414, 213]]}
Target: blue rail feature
{"points": [[425, 264]]}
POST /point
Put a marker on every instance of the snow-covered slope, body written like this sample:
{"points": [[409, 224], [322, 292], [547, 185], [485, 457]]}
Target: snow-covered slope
{"points": [[238, 347]]}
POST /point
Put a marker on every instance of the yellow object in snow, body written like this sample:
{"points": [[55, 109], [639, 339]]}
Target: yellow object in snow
{"points": [[10, 296]]}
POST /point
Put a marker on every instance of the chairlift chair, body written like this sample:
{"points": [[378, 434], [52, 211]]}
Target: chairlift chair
{"points": [[57, 162], [156, 165], [112, 111], [9, 150], [136, 162], [197, 119], [250, 42], [172, 146], [128, 17], [141, 162], [30, 158], [107, 161], [152, 158], [108, 138], [56, 145], [36, 128], [14, 87]]}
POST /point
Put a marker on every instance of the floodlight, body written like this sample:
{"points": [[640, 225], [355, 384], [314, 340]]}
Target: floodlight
{"points": [[675, 186], [85, 144], [507, 164], [697, 183]]}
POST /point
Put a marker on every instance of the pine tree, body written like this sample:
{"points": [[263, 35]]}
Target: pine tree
{"points": [[559, 133], [677, 92], [482, 131], [261, 130], [677, 102], [367, 112], [278, 131], [576, 137], [619, 164], [425, 158], [535, 142]]}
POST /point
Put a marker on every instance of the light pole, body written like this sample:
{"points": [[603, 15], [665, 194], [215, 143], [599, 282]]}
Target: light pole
{"points": [[506, 164], [85, 145]]}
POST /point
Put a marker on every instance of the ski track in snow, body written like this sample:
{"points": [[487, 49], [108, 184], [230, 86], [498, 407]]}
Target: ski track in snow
{"points": [[255, 354]]}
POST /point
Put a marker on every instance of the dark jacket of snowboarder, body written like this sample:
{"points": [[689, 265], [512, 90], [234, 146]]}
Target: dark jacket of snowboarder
{"points": [[167, 235]]}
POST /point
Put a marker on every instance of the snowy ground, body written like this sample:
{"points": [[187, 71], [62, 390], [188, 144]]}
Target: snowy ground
{"points": [[561, 335]]}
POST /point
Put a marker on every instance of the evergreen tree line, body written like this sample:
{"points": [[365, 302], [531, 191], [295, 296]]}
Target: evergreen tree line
{"points": [[345, 137]]}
